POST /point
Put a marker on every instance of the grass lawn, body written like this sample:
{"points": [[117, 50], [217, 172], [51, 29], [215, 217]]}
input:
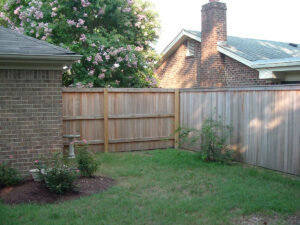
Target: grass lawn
{"points": [[173, 187]]}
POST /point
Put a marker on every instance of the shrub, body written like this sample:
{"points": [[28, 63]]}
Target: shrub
{"points": [[8, 175], [60, 180], [58, 176], [86, 162], [212, 138]]}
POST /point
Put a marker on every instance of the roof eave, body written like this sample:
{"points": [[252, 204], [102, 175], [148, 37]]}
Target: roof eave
{"points": [[181, 37], [19, 61]]}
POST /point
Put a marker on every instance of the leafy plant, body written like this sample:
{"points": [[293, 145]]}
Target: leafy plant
{"points": [[85, 160], [58, 176], [8, 175], [212, 138], [114, 37]]}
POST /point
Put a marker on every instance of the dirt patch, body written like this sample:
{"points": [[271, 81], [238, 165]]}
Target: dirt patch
{"points": [[36, 192]]}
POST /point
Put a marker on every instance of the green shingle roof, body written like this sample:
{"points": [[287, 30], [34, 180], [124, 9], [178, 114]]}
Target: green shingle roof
{"points": [[255, 50], [12, 42]]}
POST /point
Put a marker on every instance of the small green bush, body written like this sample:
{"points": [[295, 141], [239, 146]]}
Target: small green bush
{"points": [[8, 175], [58, 176], [212, 138], [86, 162], [60, 180]]}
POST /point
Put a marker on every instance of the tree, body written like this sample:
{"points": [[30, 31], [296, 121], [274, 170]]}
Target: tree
{"points": [[113, 36]]}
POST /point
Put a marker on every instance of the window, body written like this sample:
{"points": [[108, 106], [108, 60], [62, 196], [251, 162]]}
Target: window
{"points": [[190, 48]]}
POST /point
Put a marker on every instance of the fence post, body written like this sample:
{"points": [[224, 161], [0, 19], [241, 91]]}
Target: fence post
{"points": [[105, 114], [177, 119]]}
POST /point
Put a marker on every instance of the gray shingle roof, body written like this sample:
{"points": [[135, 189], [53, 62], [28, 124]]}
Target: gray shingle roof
{"points": [[254, 49], [12, 42]]}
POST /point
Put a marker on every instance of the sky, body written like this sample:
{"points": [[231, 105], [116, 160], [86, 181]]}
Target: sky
{"points": [[276, 20]]}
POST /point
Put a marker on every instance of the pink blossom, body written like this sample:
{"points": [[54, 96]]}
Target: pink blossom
{"points": [[139, 48], [98, 58], [85, 3], [11, 156], [36, 161], [130, 2], [141, 17], [82, 37], [107, 57], [43, 38], [53, 14], [74, 8], [84, 141], [17, 11], [101, 76], [39, 15], [90, 85], [89, 58], [71, 22], [126, 10], [93, 45], [103, 70], [81, 21], [79, 85], [117, 82], [129, 48], [85, 14], [138, 24], [91, 73], [77, 171]]}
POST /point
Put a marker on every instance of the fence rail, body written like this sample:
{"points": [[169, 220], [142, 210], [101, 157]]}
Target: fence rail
{"points": [[122, 119], [266, 120]]}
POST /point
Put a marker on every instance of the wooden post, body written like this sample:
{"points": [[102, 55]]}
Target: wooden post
{"points": [[105, 114], [177, 117]]}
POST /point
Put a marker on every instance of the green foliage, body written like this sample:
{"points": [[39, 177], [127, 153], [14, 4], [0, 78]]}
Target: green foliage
{"points": [[113, 36], [212, 138], [8, 175], [171, 186], [58, 176], [86, 162]]}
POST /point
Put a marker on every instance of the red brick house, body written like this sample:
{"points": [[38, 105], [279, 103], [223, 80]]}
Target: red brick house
{"points": [[211, 58], [30, 97]]}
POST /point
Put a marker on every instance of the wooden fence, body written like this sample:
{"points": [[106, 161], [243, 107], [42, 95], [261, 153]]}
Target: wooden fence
{"points": [[121, 119], [266, 121]]}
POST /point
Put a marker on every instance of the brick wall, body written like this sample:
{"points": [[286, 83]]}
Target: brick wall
{"points": [[179, 70], [30, 115], [238, 74]]}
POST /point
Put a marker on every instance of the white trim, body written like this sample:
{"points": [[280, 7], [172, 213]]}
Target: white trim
{"points": [[21, 57], [266, 74], [179, 39], [274, 63], [236, 57]]}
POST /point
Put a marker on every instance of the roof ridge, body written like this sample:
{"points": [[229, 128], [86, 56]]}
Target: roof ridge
{"points": [[63, 50]]}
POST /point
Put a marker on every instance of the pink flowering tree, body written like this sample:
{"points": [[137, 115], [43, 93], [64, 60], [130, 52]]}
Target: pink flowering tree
{"points": [[113, 36]]}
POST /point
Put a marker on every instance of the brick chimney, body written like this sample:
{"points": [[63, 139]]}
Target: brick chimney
{"points": [[214, 29]]}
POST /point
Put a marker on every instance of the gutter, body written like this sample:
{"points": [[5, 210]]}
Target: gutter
{"points": [[22, 57]]}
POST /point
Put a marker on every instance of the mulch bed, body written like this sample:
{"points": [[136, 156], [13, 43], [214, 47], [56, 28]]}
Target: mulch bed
{"points": [[36, 192]]}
